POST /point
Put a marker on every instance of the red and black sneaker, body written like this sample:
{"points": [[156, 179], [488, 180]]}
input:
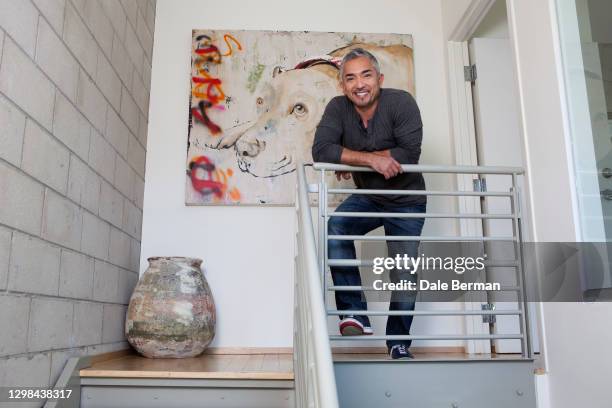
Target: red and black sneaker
{"points": [[350, 326]]}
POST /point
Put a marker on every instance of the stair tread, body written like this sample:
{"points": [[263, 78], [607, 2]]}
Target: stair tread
{"points": [[428, 356], [207, 366]]}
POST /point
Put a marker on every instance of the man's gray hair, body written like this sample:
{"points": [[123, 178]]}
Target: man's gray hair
{"points": [[356, 53]]}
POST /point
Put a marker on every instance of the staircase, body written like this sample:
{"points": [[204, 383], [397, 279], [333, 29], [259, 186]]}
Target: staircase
{"points": [[433, 380], [444, 380]]}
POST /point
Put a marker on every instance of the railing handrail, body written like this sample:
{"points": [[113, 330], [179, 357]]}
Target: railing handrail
{"points": [[428, 168], [323, 363]]}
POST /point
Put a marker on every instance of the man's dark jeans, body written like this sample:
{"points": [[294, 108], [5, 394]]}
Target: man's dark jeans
{"points": [[349, 275]]}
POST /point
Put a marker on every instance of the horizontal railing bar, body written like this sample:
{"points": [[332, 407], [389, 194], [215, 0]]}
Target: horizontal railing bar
{"points": [[419, 192], [423, 312], [413, 238], [370, 262], [371, 289], [427, 168], [419, 215], [350, 262], [429, 337]]}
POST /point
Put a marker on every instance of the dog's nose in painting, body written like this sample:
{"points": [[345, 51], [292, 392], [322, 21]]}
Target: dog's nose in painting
{"points": [[250, 148]]}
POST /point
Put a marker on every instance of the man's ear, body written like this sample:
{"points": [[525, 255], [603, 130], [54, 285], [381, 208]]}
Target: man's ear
{"points": [[340, 84], [381, 79]]}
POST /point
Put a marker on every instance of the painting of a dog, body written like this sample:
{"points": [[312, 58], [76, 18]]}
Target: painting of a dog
{"points": [[256, 99]]}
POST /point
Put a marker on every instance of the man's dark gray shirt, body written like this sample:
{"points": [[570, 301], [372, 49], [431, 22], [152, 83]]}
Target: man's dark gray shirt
{"points": [[396, 125]]}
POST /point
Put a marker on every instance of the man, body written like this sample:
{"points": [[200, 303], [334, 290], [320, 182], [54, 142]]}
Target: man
{"points": [[381, 129]]}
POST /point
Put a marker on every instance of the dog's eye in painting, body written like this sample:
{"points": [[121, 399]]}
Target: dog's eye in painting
{"points": [[299, 110]]}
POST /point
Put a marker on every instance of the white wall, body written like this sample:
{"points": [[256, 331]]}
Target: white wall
{"points": [[248, 251], [550, 179], [577, 339]]}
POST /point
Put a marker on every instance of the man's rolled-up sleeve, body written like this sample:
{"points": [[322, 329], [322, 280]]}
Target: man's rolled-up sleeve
{"points": [[407, 131], [327, 146]]}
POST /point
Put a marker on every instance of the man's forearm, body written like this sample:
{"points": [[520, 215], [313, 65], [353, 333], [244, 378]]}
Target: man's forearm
{"points": [[356, 158], [381, 161]]}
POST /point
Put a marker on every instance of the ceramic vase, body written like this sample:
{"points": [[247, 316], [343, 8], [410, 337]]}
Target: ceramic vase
{"points": [[171, 312]]}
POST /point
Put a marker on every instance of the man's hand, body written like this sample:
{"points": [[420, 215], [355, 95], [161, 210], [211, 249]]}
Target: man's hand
{"points": [[343, 175], [385, 165]]}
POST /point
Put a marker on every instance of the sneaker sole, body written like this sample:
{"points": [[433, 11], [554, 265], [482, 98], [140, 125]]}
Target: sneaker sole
{"points": [[402, 358], [351, 329]]}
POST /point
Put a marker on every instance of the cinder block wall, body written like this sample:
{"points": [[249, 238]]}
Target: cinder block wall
{"points": [[75, 77]]}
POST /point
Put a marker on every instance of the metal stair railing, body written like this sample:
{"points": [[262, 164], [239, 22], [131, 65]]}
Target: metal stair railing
{"points": [[315, 382], [517, 264]]}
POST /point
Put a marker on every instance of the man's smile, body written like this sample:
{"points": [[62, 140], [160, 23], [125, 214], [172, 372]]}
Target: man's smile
{"points": [[361, 94]]}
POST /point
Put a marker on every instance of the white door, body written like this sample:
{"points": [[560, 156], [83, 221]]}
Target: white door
{"points": [[498, 140]]}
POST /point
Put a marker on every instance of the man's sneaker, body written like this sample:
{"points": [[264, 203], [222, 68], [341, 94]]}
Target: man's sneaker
{"points": [[400, 351], [350, 326]]}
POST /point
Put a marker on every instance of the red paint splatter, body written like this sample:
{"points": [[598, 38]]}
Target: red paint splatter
{"points": [[213, 94], [205, 185]]}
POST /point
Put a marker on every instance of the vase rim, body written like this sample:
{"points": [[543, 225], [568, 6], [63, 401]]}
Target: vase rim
{"points": [[192, 261]]}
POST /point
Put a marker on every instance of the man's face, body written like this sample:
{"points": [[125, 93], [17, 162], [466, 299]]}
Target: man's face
{"points": [[360, 82]]}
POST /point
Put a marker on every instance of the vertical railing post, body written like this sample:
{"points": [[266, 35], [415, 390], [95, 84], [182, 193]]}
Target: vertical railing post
{"points": [[325, 234], [485, 298], [518, 243], [322, 226]]}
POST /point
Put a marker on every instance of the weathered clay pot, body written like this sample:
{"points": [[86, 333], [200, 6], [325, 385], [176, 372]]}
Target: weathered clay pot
{"points": [[171, 312]]}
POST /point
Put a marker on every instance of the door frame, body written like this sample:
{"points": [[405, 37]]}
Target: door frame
{"points": [[464, 134], [464, 137]]}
